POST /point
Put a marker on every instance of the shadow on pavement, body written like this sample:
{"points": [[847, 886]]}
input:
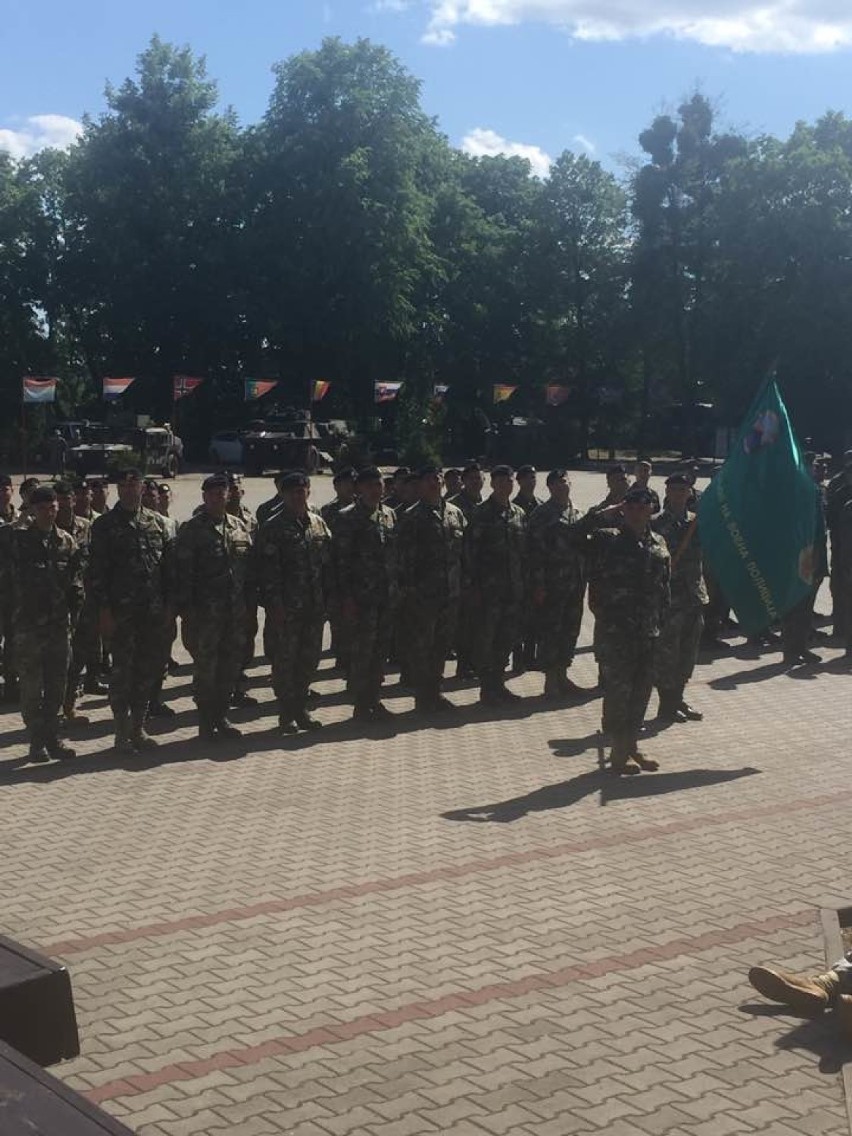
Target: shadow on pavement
{"points": [[566, 793], [820, 1036]]}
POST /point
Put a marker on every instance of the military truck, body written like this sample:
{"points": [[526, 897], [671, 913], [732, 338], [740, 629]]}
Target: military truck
{"points": [[285, 439], [103, 449]]}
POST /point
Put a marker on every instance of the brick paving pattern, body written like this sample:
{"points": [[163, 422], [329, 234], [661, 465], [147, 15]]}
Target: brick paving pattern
{"points": [[461, 928]]}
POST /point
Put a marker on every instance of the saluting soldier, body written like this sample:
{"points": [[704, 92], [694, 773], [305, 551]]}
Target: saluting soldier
{"points": [[42, 575], [213, 565], [130, 578], [557, 583], [365, 577], [430, 545], [683, 623], [495, 569], [629, 568], [293, 553]]}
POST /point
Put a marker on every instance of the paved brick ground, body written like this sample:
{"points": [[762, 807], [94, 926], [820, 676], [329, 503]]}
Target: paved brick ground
{"points": [[465, 929]]}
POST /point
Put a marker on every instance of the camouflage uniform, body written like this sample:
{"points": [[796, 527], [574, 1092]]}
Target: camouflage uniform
{"points": [[528, 504], [85, 641], [467, 616], [213, 566], [267, 508], [339, 631], [365, 575], [628, 595], [495, 568], [293, 558], [525, 651], [244, 514], [558, 585], [42, 576], [7, 652], [430, 544], [680, 632], [838, 495], [130, 573]]}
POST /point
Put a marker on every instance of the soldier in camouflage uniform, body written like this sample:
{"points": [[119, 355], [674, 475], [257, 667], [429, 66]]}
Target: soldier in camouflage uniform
{"points": [[430, 542], [628, 593], [8, 516], [680, 633], [130, 579], [99, 491], [84, 641], [293, 552], [468, 499], [266, 509], [213, 566], [344, 487], [365, 576], [495, 571], [524, 653], [42, 574], [240, 696], [557, 583]]}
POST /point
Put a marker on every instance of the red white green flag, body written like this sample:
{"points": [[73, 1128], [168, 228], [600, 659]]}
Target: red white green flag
{"points": [[257, 388]]}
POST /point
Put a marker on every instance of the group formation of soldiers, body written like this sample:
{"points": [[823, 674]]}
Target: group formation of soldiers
{"points": [[409, 570]]}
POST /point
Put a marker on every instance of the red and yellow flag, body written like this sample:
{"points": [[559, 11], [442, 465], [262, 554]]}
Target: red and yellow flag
{"points": [[502, 392], [319, 389]]}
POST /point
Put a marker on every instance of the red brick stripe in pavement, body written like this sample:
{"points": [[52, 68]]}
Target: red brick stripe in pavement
{"points": [[417, 879], [381, 1021]]}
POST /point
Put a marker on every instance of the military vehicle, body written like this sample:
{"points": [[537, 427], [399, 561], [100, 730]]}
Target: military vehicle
{"points": [[103, 449], [285, 439]]}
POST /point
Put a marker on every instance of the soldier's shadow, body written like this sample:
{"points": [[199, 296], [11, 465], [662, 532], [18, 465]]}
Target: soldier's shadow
{"points": [[748, 676], [820, 1036], [563, 794]]}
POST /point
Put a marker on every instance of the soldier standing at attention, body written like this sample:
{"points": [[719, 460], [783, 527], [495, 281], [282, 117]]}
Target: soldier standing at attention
{"points": [[266, 508], [99, 488], [430, 543], [365, 576], [84, 639], [525, 498], [8, 517], [469, 497], [213, 565], [240, 696], [344, 487], [130, 578], [293, 558], [452, 483], [683, 623], [557, 583], [524, 652], [629, 570], [42, 574], [495, 568], [641, 476]]}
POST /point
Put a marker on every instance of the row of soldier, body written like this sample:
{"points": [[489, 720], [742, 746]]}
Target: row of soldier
{"points": [[409, 574]]}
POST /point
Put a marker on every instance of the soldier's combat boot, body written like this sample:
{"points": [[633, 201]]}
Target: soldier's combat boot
{"points": [[806, 995], [71, 714], [286, 716], [58, 750], [689, 712], [122, 743], [619, 758], [139, 737], [646, 764], [37, 751], [206, 728], [227, 729], [669, 711], [553, 687], [306, 721]]}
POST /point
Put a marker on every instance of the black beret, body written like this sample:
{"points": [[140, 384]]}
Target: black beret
{"points": [[127, 475], [43, 495], [63, 488], [345, 474], [501, 471], [5, 481], [214, 481], [616, 469], [525, 469], [28, 484], [371, 473], [471, 467], [428, 470], [637, 496], [294, 479], [556, 475], [678, 479]]}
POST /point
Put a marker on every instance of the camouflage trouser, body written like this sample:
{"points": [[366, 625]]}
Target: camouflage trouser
{"points": [[558, 622], [139, 650], [626, 662], [250, 625], [43, 655], [85, 647], [677, 649], [340, 634], [10, 670], [496, 631], [370, 640], [217, 642], [465, 631], [429, 634], [796, 626], [296, 647], [718, 609]]}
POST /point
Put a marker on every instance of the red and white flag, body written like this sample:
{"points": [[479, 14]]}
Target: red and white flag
{"points": [[39, 389], [113, 388], [386, 392], [184, 385]]}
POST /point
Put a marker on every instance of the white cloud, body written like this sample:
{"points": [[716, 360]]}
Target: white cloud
{"points": [[38, 132], [585, 143], [380, 7], [481, 143], [784, 26]]}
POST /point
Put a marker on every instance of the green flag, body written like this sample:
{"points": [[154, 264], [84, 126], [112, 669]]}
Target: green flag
{"points": [[760, 519]]}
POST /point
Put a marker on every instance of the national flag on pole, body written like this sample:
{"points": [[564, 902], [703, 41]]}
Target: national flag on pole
{"points": [[760, 519], [113, 388], [39, 390], [184, 385], [439, 391], [502, 391], [257, 388], [386, 392], [319, 389], [555, 395]]}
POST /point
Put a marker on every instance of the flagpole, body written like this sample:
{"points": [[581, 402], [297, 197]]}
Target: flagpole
{"points": [[24, 446]]}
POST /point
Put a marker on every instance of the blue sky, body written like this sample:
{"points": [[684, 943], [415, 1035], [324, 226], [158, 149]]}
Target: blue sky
{"points": [[546, 75]]}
